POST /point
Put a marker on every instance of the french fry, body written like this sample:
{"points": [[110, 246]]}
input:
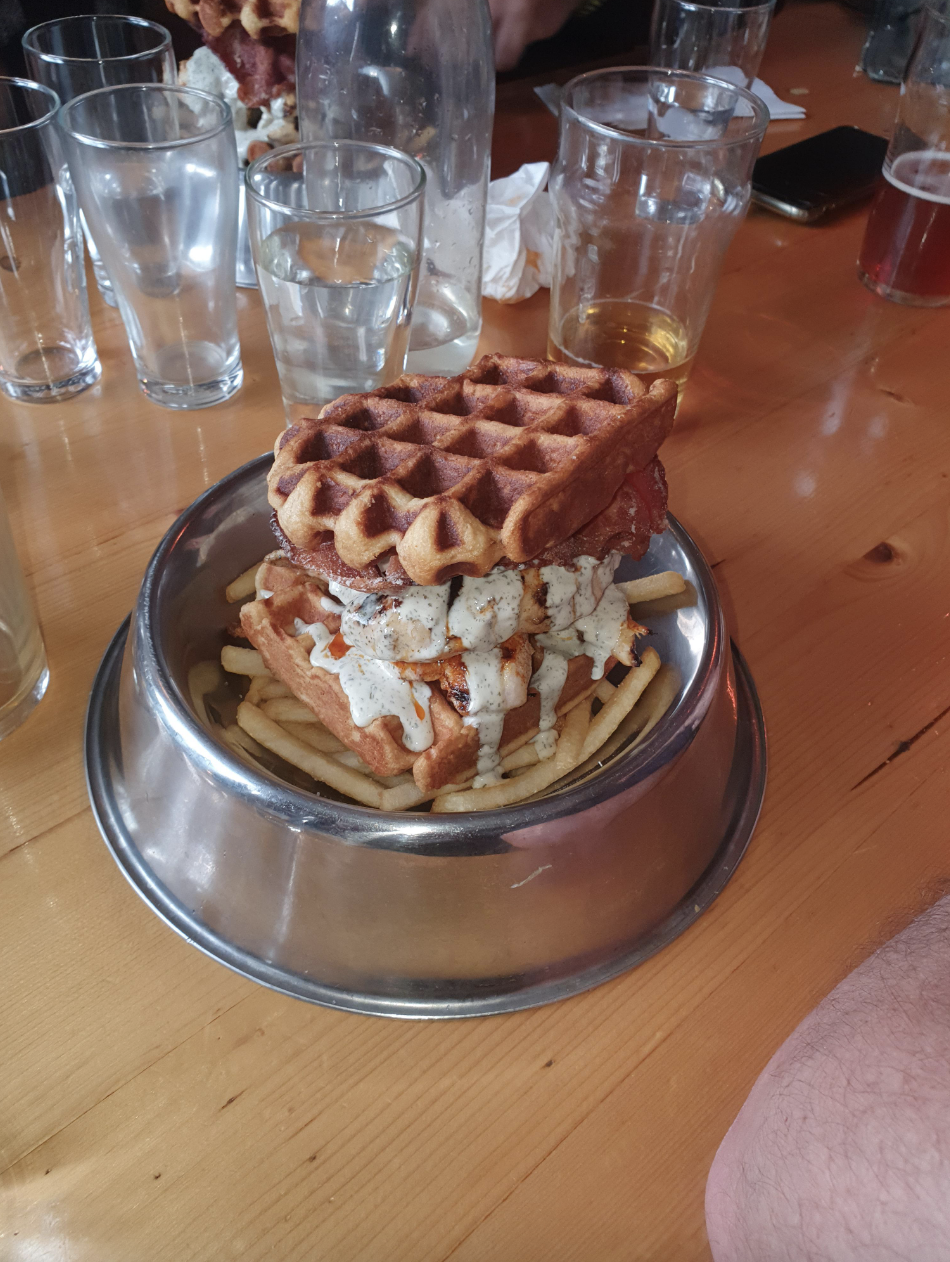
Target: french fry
{"points": [[653, 586], [393, 782], [243, 661], [572, 739], [275, 688], [280, 742], [289, 710], [653, 703], [523, 756], [621, 702], [536, 778], [256, 689], [315, 735], [203, 678], [403, 796], [604, 690], [243, 586], [656, 700]]}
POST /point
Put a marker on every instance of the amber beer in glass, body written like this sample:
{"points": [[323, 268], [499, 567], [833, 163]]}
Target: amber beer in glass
{"points": [[906, 251], [651, 181]]}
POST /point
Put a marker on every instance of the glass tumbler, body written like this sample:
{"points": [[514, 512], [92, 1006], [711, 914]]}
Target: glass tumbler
{"points": [[24, 674], [79, 54], [46, 348], [905, 255], [335, 232], [652, 179], [155, 170], [725, 41]]}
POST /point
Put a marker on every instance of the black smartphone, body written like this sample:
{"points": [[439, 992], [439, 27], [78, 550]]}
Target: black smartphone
{"points": [[807, 179]]}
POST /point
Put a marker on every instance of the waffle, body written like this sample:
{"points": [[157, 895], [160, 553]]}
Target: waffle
{"points": [[506, 460], [258, 17], [452, 756]]}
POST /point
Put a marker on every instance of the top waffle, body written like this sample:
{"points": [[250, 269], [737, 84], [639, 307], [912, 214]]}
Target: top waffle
{"points": [[506, 460], [267, 17]]}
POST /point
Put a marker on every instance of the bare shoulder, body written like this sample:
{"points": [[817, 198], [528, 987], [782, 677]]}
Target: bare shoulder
{"points": [[842, 1150]]}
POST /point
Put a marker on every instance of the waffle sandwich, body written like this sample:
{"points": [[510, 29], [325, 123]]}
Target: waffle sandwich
{"points": [[443, 594]]}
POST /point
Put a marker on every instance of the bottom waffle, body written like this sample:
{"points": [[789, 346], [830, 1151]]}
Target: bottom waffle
{"points": [[294, 721], [270, 625]]}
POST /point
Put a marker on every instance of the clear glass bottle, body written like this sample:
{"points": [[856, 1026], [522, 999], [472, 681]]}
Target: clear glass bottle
{"points": [[417, 75]]}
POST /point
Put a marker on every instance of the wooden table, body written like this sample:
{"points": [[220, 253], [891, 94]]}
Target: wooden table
{"points": [[154, 1105]]}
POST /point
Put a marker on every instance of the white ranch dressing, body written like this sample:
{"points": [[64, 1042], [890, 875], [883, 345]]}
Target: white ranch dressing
{"points": [[587, 614], [415, 624], [492, 693], [485, 612], [373, 688], [573, 593]]}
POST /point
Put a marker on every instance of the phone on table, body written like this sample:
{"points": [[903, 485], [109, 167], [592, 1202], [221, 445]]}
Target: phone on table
{"points": [[805, 180]]}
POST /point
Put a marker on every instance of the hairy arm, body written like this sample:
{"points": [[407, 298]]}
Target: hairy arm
{"points": [[842, 1150]]}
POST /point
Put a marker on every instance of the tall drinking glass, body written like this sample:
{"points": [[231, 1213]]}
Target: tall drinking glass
{"points": [[652, 178], [46, 348], [905, 255], [23, 671], [155, 169], [79, 54], [335, 232], [725, 40]]}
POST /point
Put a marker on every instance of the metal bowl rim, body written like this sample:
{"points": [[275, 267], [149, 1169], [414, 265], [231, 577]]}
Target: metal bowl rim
{"points": [[403, 829]]}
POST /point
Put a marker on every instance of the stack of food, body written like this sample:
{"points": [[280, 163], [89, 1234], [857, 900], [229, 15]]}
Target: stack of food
{"points": [[247, 58], [441, 617]]}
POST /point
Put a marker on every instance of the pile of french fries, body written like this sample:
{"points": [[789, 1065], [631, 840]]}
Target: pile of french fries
{"points": [[270, 718]]}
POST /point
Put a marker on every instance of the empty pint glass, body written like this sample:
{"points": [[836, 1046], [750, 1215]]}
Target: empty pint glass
{"points": [[906, 251], [73, 55], [156, 172], [47, 352], [651, 181]]}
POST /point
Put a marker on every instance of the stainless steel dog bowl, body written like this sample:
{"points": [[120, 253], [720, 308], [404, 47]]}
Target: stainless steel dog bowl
{"points": [[411, 915]]}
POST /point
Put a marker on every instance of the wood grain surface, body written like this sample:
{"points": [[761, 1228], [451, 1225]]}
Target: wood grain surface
{"points": [[154, 1105]]}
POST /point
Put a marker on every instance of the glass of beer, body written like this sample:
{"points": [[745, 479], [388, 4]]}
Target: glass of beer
{"points": [[906, 251], [652, 179], [23, 670]]}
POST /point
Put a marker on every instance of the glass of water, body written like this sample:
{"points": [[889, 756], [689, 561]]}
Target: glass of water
{"points": [[725, 40], [47, 352], [155, 170], [24, 674], [79, 54], [335, 231], [652, 178]]}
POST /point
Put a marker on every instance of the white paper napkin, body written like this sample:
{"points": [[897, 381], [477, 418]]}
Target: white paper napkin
{"points": [[519, 234], [777, 109]]}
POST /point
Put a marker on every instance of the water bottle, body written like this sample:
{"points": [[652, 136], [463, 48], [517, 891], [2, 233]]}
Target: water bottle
{"points": [[417, 75]]}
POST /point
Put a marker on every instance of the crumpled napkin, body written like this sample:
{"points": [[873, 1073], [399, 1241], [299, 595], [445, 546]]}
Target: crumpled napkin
{"points": [[519, 234]]}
